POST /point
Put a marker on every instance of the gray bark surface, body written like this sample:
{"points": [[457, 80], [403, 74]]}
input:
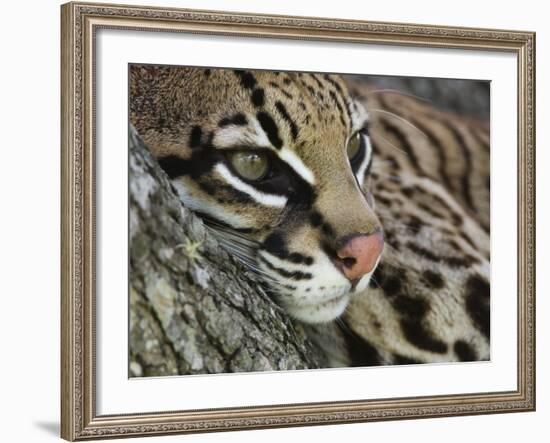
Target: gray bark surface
{"points": [[193, 308]]}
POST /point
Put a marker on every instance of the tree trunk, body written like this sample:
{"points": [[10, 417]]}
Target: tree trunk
{"points": [[193, 308]]}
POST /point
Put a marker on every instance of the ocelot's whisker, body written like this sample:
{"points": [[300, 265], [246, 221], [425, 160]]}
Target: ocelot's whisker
{"points": [[396, 91], [393, 146], [404, 120], [384, 175], [343, 325], [375, 282]]}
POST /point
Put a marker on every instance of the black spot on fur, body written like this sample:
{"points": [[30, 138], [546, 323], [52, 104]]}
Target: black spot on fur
{"points": [[287, 94], [195, 137], [455, 262], [238, 120], [478, 303], [333, 83], [414, 223], [439, 148], [296, 257], [316, 219], [457, 219], [248, 81], [455, 246], [413, 311], [258, 97], [402, 360], [467, 239], [360, 351], [275, 245], [270, 128], [173, 166], [464, 351], [430, 210], [385, 201], [416, 333], [467, 156], [391, 285], [339, 106], [282, 110], [391, 161], [434, 279], [408, 192], [435, 200], [327, 229], [415, 308], [319, 84]]}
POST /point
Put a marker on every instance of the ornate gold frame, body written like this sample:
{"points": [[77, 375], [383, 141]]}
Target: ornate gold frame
{"points": [[79, 420]]}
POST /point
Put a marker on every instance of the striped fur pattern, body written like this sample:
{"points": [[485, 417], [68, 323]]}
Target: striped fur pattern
{"points": [[420, 175]]}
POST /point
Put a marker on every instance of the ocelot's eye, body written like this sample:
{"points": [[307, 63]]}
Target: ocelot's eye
{"points": [[250, 165], [354, 145]]}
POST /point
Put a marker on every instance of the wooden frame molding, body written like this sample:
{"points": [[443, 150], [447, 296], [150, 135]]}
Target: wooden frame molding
{"points": [[80, 21]]}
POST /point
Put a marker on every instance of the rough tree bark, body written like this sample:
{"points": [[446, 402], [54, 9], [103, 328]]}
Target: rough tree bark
{"points": [[194, 309]]}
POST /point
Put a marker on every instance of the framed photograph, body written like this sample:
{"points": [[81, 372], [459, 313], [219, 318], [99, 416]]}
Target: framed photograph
{"points": [[277, 221]]}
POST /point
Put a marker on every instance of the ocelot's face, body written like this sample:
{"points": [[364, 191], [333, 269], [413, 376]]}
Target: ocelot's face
{"points": [[277, 164]]}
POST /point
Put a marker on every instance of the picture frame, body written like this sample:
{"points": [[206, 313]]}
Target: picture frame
{"points": [[79, 178]]}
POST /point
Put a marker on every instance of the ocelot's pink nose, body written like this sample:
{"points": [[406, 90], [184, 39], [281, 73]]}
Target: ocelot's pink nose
{"points": [[359, 255]]}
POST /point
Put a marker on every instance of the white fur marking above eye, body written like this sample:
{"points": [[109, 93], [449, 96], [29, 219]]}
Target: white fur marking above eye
{"points": [[366, 161], [292, 160], [277, 201], [359, 116]]}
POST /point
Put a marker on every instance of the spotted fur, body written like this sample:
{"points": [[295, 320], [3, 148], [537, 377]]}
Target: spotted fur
{"points": [[421, 176]]}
